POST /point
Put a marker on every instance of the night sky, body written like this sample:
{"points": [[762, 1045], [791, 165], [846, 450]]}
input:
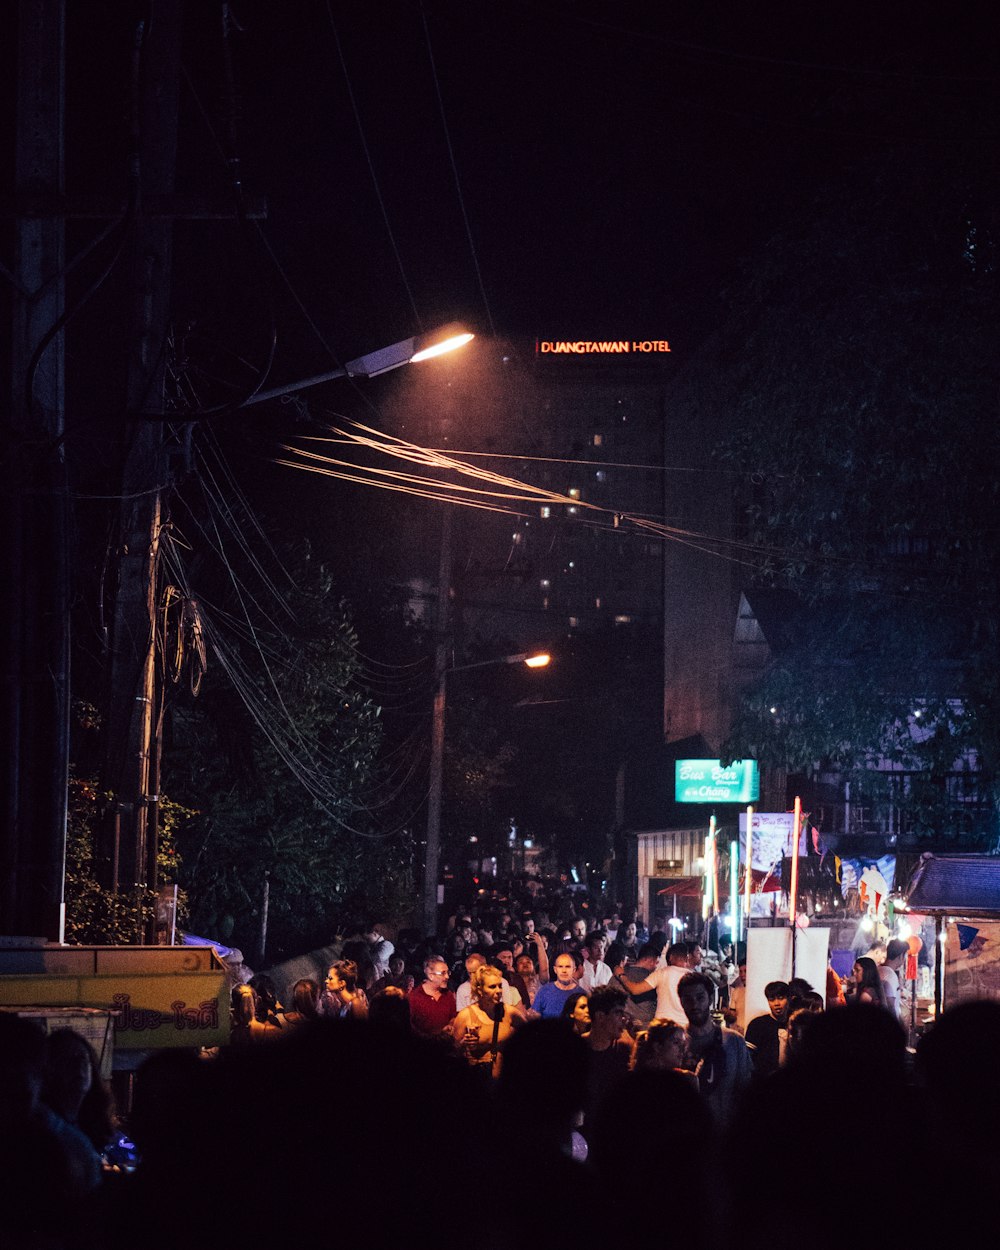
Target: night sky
{"points": [[563, 169], [553, 169], [541, 168]]}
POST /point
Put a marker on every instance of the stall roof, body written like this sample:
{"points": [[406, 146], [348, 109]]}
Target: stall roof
{"points": [[963, 885]]}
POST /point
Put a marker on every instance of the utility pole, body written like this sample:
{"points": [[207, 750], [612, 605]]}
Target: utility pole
{"points": [[432, 850], [127, 853], [34, 505]]}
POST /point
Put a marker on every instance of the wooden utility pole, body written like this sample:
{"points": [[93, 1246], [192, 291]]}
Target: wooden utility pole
{"points": [[132, 758], [34, 505], [432, 850]]}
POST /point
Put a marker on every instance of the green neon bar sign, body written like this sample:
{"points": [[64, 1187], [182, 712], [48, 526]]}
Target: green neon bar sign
{"points": [[706, 781]]}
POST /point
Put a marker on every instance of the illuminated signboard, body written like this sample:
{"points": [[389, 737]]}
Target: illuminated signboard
{"points": [[601, 347], [706, 781]]}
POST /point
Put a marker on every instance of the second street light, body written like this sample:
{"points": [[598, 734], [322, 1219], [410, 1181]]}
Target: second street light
{"points": [[433, 848]]}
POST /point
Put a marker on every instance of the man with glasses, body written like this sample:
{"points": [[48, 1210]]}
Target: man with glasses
{"points": [[432, 1004]]}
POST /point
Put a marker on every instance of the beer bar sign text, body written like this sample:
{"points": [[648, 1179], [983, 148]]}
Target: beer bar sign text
{"points": [[707, 781]]}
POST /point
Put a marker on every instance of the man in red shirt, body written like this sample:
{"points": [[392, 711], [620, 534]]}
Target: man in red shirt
{"points": [[432, 1004]]}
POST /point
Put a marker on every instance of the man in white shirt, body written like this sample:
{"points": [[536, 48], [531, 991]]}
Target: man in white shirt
{"points": [[665, 982], [895, 957], [379, 948], [463, 995], [595, 971]]}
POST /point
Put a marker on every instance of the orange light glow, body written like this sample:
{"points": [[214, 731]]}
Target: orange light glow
{"points": [[449, 344], [538, 661]]}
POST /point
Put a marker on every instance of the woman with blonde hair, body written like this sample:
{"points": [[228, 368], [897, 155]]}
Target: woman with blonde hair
{"points": [[482, 1028]]}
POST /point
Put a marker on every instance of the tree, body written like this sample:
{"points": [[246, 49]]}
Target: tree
{"points": [[279, 758], [863, 404], [96, 915]]}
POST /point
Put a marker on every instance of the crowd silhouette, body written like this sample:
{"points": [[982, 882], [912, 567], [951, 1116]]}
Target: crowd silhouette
{"points": [[321, 1128]]}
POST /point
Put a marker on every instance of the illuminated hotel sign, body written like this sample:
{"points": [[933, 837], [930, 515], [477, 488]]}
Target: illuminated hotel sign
{"points": [[706, 781], [600, 347]]}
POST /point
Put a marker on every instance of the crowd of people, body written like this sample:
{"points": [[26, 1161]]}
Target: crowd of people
{"points": [[524, 1084]]}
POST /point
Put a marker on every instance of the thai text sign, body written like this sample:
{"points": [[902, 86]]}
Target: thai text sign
{"points": [[706, 781], [150, 1012]]}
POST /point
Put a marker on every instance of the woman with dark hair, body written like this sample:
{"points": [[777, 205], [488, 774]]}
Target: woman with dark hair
{"points": [[626, 936], [74, 1090], [305, 1003], [663, 1047], [576, 1011], [390, 1009], [867, 982], [455, 951], [345, 999], [268, 1010]]}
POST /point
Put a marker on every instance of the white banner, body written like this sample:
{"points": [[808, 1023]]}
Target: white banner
{"points": [[769, 958], [772, 838]]}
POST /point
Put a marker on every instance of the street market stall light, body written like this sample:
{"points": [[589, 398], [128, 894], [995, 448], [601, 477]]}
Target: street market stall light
{"points": [[406, 352]]}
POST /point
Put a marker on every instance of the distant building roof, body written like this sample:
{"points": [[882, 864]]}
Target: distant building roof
{"points": [[963, 885], [767, 623]]}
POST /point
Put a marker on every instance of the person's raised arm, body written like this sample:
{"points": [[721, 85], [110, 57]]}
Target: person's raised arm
{"points": [[543, 958], [635, 988]]}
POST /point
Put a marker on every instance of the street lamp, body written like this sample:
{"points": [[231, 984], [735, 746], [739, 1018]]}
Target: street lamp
{"points": [[433, 848], [406, 352], [137, 778]]}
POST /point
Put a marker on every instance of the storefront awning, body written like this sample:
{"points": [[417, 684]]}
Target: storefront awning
{"points": [[959, 885], [692, 887]]}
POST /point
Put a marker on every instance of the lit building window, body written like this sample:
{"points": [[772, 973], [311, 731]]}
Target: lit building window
{"points": [[572, 510], [574, 621], [623, 619], [545, 583], [601, 475], [574, 492], [545, 511], [598, 440], [597, 602]]}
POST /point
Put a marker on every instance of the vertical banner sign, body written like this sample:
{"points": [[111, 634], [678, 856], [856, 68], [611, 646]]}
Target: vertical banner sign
{"points": [[793, 893], [734, 892], [748, 870]]}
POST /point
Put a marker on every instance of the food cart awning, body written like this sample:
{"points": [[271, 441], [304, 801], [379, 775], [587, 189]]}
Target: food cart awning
{"points": [[684, 887], [692, 887], [958, 885]]}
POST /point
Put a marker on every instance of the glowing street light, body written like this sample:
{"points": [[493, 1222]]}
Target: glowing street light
{"points": [[537, 661], [406, 352], [449, 344]]}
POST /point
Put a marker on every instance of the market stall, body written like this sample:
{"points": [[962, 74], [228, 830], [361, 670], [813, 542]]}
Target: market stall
{"points": [[961, 895]]}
